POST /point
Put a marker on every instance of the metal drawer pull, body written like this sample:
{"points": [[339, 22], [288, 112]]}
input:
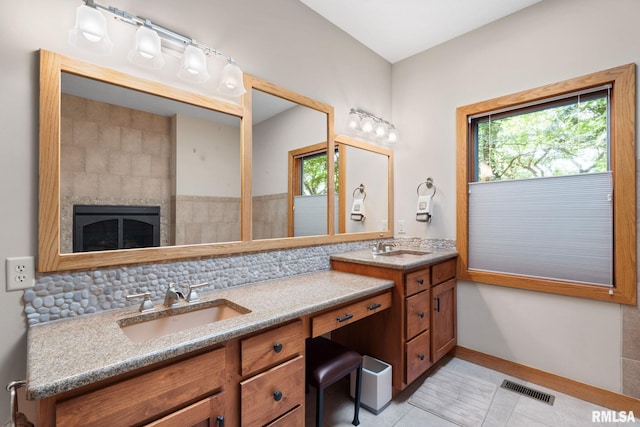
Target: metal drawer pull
{"points": [[421, 315], [277, 347], [421, 356], [344, 318], [277, 396], [420, 281], [220, 420], [437, 304], [374, 306]]}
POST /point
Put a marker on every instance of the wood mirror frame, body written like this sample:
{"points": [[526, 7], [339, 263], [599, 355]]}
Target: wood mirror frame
{"points": [[50, 257]]}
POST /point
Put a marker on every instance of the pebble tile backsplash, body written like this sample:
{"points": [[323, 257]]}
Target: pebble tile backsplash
{"points": [[58, 296]]}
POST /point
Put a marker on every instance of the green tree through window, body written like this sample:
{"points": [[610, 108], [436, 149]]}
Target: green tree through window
{"points": [[314, 174], [562, 138]]}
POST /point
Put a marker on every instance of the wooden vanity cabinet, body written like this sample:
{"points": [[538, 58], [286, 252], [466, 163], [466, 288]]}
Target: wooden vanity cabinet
{"points": [[272, 365], [208, 412], [187, 392], [419, 328]]}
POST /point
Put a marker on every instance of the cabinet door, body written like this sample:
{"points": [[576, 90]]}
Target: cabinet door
{"points": [[205, 413], [443, 327], [417, 314]]}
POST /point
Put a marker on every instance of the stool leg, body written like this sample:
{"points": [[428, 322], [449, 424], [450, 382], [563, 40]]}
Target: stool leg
{"points": [[319, 406], [356, 420]]}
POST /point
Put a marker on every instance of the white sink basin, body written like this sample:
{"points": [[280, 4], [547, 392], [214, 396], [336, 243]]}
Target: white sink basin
{"points": [[157, 324]]}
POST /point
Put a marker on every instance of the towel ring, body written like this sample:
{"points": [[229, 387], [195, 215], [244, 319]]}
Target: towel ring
{"points": [[360, 188], [429, 184]]}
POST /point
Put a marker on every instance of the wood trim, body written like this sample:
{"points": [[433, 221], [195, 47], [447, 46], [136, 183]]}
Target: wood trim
{"points": [[49, 257], [589, 393], [295, 177], [246, 163], [623, 161], [342, 195]]}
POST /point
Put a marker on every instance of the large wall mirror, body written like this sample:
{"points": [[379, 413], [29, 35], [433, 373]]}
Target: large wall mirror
{"points": [[139, 170], [135, 171], [290, 185], [365, 175]]}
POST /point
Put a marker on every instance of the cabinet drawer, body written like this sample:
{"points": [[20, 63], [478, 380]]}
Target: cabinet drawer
{"points": [[268, 395], [418, 357], [147, 395], [272, 347], [418, 314], [417, 281], [348, 314], [443, 271], [291, 419], [209, 412]]}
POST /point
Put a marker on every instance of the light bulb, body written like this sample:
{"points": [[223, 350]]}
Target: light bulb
{"points": [[380, 129], [231, 80], [90, 31], [367, 124], [194, 65], [393, 135], [353, 121], [147, 50]]}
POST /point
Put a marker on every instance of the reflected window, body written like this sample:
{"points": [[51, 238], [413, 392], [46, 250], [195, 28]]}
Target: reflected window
{"points": [[313, 173]]}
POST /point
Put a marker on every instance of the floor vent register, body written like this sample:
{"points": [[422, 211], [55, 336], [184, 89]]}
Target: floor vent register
{"points": [[528, 391]]}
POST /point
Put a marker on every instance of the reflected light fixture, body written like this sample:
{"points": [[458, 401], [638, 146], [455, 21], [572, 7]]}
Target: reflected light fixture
{"points": [[90, 33], [367, 125]]}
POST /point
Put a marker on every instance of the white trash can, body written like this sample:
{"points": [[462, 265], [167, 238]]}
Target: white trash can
{"points": [[375, 393]]}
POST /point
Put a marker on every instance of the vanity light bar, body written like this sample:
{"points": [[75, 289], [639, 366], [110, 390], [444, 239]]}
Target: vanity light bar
{"points": [[163, 32], [367, 124], [90, 32]]}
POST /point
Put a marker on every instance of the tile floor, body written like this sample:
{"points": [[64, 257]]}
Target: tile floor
{"points": [[508, 409]]}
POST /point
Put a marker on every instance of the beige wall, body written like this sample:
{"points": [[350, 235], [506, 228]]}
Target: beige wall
{"points": [[281, 41], [549, 42]]}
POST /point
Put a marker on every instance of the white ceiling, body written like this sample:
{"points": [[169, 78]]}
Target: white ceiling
{"points": [[397, 29]]}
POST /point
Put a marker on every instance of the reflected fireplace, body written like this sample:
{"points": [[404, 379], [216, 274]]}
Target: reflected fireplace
{"points": [[105, 227]]}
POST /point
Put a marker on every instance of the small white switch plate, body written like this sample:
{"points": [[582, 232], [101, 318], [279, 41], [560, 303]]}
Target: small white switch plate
{"points": [[20, 273], [401, 229]]}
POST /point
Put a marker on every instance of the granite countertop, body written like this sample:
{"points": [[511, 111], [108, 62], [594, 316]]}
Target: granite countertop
{"points": [[66, 354], [409, 257]]}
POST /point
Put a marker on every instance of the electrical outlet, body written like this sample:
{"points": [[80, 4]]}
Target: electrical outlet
{"points": [[401, 229], [20, 273]]}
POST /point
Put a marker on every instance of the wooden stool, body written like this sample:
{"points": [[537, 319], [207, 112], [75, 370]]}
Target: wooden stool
{"points": [[328, 362]]}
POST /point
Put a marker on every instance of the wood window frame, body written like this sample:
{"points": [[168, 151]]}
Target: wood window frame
{"points": [[623, 166], [295, 179]]}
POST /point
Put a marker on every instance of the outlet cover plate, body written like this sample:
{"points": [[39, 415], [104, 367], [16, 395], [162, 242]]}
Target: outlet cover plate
{"points": [[20, 273]]}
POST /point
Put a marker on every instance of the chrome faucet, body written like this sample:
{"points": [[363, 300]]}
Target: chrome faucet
{"points": [[172, 297], [383, 246]]}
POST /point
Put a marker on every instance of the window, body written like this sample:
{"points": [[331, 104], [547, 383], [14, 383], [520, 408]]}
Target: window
{"points": [[308, 187], [546, 188]]}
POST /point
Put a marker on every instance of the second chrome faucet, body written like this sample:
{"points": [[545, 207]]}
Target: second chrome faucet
{"points": [[172, 296]]}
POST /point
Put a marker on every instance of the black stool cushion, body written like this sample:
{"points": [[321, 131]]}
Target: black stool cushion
{"points": [[328, 361]]}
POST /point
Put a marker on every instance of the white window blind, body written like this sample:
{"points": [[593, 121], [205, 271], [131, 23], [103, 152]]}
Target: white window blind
{"points": [[310, 215], [554, 228]]}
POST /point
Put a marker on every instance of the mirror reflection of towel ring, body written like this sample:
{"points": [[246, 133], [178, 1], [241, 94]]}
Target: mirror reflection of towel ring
{"points": [[429, 184], [361, 190]]}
